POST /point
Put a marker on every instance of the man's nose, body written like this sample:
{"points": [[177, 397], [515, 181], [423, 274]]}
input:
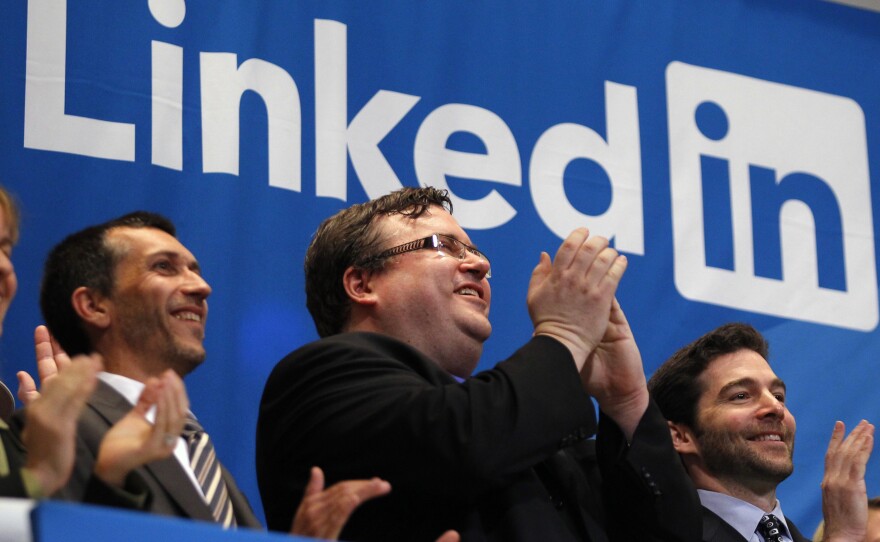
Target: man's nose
{"points": [[196, 285], [772, 405], [477, 265]]}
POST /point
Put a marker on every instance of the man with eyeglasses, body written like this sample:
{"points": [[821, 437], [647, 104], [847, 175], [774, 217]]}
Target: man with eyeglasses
{"points": [[401, 300]]}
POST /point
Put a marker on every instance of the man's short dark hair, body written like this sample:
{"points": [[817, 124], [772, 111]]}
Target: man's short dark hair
{"points": [[85, 259], [676, 386], [349, 238]]}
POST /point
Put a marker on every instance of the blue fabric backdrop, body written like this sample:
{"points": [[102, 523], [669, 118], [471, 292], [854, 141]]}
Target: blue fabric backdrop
{"points": [[727, 147]]}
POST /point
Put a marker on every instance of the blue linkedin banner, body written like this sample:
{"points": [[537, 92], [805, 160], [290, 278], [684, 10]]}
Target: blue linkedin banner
{"points": [[727, 148]]}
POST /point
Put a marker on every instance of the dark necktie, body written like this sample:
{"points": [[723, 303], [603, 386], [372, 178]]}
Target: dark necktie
{"points": [[770, 528], [206, 467]]}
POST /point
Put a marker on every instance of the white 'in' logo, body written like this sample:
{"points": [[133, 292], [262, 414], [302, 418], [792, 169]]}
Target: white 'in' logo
{"points": [[771, 199]]}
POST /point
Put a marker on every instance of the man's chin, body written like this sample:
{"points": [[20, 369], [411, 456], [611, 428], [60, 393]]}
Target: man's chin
{"points": [[481, 330], [777, 469], [185, 360]]}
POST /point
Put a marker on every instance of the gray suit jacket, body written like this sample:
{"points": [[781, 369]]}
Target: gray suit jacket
{"points": [[716, 529], [169, 490]]}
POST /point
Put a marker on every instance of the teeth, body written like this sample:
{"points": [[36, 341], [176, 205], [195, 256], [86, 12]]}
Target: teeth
{"points": [[467, 291], [763, 438], [188, 316]]}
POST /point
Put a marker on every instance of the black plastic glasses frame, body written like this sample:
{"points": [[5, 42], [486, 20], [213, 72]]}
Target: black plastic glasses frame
{"points": [[444, 244]]}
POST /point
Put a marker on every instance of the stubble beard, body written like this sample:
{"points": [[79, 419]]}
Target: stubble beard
{"points": [[728, 456], [145, 333], [183, 360]]}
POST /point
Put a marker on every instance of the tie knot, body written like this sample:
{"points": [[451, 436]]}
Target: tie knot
{"points": [[192, 428], [770, 528]]}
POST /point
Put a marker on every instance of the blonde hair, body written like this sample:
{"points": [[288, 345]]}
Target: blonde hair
{"points": [[10, 211]]}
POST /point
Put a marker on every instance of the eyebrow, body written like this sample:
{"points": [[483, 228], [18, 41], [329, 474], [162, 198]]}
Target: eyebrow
{"points": [[468, 243], [193, 265], [748, 382]]}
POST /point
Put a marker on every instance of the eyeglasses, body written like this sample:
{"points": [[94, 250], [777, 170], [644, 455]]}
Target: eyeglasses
{"points": [[445, 245]]}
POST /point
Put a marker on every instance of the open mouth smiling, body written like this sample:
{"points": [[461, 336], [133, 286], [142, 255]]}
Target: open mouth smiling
{"points": [[186, 315]]}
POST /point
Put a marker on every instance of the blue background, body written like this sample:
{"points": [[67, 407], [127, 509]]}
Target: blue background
{"points": [[533, 64]]}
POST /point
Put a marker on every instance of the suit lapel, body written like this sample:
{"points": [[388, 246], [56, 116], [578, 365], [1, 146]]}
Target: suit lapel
{"points": [[166, 473], [244, 514], [795, 533], [716, 529]]}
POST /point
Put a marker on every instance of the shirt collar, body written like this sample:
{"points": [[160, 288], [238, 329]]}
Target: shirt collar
{"points": [[739, 514], [127, 387], [131, 390]]}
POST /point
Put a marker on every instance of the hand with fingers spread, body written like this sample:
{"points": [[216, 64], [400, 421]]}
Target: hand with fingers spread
{"points": [[51, 359], [133, 441], [51, 419], [615, 376], [570, 298], [844, 493], [323, 512]]}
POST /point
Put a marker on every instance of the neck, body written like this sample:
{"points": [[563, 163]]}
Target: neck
{"points": [[130, 364], [458, 360]]}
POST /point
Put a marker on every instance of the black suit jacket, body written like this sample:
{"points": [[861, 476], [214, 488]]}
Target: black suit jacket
{"points": [[716, 529], [501, 456], [169, 490]]}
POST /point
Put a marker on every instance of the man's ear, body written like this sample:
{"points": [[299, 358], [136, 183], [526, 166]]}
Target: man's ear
{"points": [[92, 307], [358, 285], [683, 439]]}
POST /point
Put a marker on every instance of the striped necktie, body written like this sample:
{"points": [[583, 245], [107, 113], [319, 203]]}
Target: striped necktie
{"points": [[206, 467]]}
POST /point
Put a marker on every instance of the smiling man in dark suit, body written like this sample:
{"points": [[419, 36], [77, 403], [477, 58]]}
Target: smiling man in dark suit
{"points": [[730, 424], [401, 298]]}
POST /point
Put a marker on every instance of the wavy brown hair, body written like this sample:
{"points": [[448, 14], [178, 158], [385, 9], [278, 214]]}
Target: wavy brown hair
{"points": [[350, 238]]}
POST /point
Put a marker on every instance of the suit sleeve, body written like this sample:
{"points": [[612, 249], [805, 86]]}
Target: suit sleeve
{"points": [[135, 495], [18, 482], [84, 486], [358, 413], [647, 492]]}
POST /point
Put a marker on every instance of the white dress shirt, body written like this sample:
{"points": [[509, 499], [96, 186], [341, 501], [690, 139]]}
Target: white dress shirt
{"points": [[131, 389], [740, 515]]}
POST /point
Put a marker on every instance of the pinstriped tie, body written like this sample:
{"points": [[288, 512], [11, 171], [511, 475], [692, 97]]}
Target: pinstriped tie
{"points": [[206, 467]]}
